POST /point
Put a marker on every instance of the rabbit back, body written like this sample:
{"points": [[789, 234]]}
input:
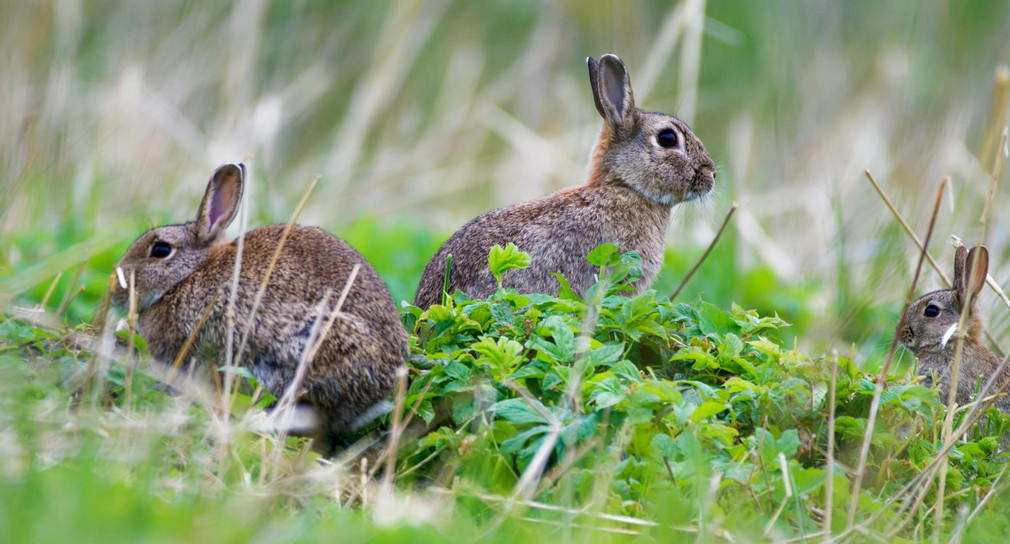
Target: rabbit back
{"points": [[558, 231]]}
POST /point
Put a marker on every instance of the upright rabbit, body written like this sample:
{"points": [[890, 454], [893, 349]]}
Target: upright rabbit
{"points": [[643, 164], [930, 325], [179, 269]]}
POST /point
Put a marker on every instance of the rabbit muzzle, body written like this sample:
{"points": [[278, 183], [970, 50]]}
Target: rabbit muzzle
{"points": [[906, 335], [120, 288], [702, 184]]}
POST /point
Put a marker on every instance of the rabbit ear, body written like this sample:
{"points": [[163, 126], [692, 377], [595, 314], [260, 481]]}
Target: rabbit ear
{"points": [[976, 267], [612, 90], [960, 284], [594, 77], [220, 202]]}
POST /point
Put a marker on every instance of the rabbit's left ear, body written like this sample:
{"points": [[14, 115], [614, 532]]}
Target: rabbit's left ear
{"points": [[220, 202], [612, 90]]}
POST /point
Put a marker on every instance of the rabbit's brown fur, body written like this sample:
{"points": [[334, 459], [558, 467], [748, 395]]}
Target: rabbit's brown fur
{"points": [[632, 184], [929, 330], [355, 367]]}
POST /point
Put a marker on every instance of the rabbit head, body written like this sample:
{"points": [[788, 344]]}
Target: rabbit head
{"points": [[163, 256], [931, 321], [655, 154]]}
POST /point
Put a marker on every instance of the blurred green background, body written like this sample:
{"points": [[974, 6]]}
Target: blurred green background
{"points": [[419, 115]]}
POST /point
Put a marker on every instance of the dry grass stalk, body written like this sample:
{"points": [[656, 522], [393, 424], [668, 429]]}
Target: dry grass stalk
{"points": [[959, 349], [67, 296], [266, 280], [994, 490], [395, 431], [718, 234], [315, 342], [49, 292], [575, 512], [921, 481], [270, 268], [131, 329], [283, 412], [907, 228], [882, 376], [230, 362], [830, 456], [191, 339], [69, 301], [946, 281], [956, 368], [1001, 90], [99, 323], [530, 477]]}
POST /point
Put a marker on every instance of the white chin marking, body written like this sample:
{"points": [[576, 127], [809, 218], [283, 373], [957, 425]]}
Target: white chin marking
{"points": [[664, 199], [122, 278], [946, 336]]}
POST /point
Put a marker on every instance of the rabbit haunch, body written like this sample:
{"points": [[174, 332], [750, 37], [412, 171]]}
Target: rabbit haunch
{"points": [[643, 163], [179, 269]]}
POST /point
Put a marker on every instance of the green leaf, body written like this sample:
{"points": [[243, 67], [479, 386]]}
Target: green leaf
{"points": [[500, 357], [517, 411], [665, 447], [606, 354], [604, 255], [706, 409], [607, 392], [731, 346], [789, 443], [563, 347], [240, 371], [505, 258]]}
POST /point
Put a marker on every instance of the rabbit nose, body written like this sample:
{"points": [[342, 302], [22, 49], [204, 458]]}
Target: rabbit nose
{"points": [[703, 182], [905, 334]]}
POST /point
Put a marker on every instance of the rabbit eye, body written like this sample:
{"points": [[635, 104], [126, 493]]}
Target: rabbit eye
{"points": [[160, 250], [931, 311], [666, 138]]}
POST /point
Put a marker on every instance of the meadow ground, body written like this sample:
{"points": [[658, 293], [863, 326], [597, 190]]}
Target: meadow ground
{"points": [[704, 419]]}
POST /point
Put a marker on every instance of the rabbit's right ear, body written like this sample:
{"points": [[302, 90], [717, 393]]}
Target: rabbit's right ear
{"points": [[220, 202], [976, 268], [612, 90]]}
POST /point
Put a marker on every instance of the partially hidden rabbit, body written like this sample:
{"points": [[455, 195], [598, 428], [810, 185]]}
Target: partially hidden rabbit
{"points": [[179, 270], [643, 164], [929, 328]]}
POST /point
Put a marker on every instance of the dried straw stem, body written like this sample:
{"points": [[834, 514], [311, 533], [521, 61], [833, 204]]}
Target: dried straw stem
{"points": [[718, 234], [882, 377]]}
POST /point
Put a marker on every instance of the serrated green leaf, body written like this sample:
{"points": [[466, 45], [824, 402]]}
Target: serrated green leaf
{"points": [[517, 411], [501, 259]]}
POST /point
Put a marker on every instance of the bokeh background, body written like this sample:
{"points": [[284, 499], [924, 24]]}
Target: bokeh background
{"points": [[421, 114]]}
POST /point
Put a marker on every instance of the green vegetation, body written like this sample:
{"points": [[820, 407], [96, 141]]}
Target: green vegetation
{"points": [[604, 416], [681, 420]]}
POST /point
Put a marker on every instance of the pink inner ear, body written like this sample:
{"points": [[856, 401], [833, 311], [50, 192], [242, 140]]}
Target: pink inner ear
{"points": [[614, 87], [220, 203]]}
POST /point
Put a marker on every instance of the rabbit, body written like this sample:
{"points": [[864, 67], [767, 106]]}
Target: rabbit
{"points": [[642, 165], [178, 270], [929, 327]]}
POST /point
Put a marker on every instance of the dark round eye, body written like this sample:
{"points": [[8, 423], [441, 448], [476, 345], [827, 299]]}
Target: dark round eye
{"points": [[666, 138], [931, 311], [160, 250]]}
